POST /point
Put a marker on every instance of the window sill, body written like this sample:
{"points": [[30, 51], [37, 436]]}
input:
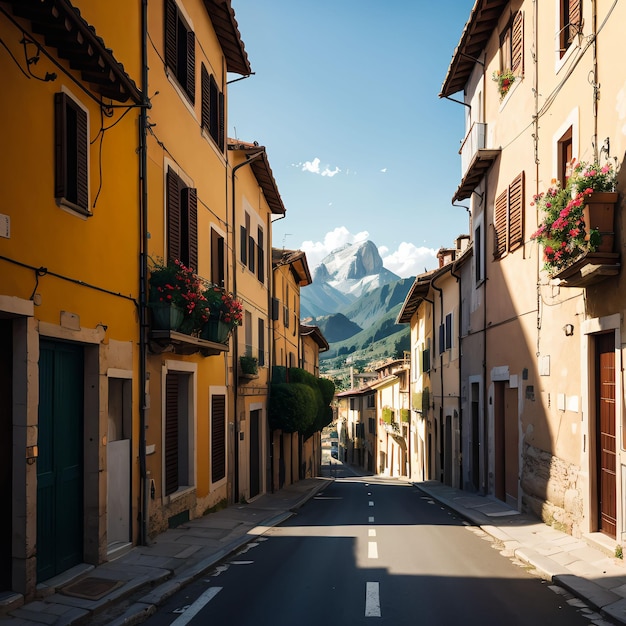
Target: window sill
{"points": [[179, 343], [73, 208], [179, 493]]}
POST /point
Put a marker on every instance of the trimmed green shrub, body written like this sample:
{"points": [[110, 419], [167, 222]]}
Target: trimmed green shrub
{"points": [[292, 407]]}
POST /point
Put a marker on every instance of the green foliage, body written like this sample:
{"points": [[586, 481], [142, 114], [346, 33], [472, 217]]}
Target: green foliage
{"points": [[405, 415], [292, 407], [249, 364], [327, 387], [279, 374], [387, 415]]}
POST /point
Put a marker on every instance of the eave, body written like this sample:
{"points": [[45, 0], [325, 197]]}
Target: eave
{"points": [[298, 265], [417, 293], [76, 41], [481, 162], [227, 30], [481, 24], [262, 171], [316, 334]]}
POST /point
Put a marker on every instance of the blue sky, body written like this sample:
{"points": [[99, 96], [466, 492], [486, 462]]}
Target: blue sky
{"points": [[345, 100]]}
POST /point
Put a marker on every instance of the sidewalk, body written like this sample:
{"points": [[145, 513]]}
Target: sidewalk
{"points": [[584, 568], [128, 590]]}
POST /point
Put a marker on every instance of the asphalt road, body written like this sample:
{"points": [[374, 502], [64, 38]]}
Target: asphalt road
{"points": [[369, 550]]}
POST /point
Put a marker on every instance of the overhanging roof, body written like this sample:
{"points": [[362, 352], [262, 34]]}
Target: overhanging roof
{"points": [[481, 162], [419, 290], [63, 28], [479, 27], [316, 334], [262, 172], [296, 259], [227, 31]]}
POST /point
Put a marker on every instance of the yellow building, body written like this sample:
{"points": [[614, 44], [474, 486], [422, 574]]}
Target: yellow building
{"points": [[189, 446], [69, 286], [256, 201]]}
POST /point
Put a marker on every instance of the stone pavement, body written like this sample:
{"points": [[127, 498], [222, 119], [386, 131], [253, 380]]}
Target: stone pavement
{"points": [[585, 567], [146, 576]]}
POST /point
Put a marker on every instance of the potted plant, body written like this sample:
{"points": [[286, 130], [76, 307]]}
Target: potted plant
{"points": [[176, 297], [504, 78], [569, 228], [224, 313], [249, 365]]}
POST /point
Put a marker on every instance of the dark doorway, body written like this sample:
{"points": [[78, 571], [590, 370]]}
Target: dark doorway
{"points": [[606, 433], [60, 462], [255, 457], [6, 451]]}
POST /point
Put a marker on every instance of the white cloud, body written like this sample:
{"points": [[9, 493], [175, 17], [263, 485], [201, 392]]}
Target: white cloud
{"points": [[408, 259], [384, 170], [317, 250], [314, 167]]}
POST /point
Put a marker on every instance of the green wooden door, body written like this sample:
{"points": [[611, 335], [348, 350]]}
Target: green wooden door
{"points": [[60, 462]]}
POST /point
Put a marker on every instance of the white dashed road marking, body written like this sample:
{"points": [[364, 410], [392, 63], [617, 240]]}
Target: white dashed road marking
{"points": [[198, 605], [372, 600], [372, 550], [371, 532]]}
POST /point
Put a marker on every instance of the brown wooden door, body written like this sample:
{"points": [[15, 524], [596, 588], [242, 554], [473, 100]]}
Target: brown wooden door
{"points": [[606, 439]]}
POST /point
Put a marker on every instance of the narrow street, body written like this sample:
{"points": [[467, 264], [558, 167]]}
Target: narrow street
{"points": [[369, 548]]}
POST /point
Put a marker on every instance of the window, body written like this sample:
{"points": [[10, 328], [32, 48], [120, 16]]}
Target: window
{"points": [[509, 218], [180, 49], [261, 331], [218, 437], [244, 229], [182, 221], [448, 331], [371, 401], [442, 338], [478, 254], [247, 326], [178, 462], [564, 155], [570, 23], [212, 108], [353, 404], [512, 45], [426, 360], [71, 184], [217, 258]]}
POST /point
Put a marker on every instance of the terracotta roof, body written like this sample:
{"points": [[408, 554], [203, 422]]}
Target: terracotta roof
{"points": [[482, 21], [227, 31], [296, 259], [417, 293], [63, 28], [262, 172], [316, 334]]}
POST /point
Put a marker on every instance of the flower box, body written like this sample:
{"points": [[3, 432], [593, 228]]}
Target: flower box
{"points": [[166, 316], [599, 213], [216, 330]]}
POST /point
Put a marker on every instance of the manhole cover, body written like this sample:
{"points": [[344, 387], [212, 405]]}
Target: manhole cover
{"points": [[91, 588]]}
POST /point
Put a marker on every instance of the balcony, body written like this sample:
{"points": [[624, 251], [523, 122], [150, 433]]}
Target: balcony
{"points": [[590, 269], [181, 343], [476, 159]]}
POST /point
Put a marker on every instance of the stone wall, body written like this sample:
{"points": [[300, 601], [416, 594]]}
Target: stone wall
{"points": [[551, 490]]}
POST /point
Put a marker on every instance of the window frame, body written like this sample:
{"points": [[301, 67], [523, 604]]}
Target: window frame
{"points": [[182, 219], [212, 108], [570, 24], [508, 218]]}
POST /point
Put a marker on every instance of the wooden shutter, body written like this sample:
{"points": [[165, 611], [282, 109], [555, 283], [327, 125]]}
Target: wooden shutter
{"points": [[575, 17], [517, 44], [171, 19], [251, 252], [261, 333], [243, 244], [205, 88], [500, 225], [60, 150], [442, 338], [275, 309], [260, 267], [214, 119], [171, 433], [173, 216], [448, 331], [190, 82], [516, 213], [218, 437], [82, 183], [221, 123], [217, 258], [189, 198]]}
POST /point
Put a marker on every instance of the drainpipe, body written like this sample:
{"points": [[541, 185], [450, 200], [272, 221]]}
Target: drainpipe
{"points": [[143, 280], [248, 160], [432, 304]]}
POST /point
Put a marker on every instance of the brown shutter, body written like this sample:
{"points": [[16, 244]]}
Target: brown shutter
{"points": [[206, 95], [221, 125], [261, 332], [516, 213], [218, 437], [171, 18], [517, 44], [260, 268], [173, 216], [171, 433], [60, 149], [190, 206], [575, 15], [243, 244], [82, 140], [190, 86], [500, 226], [214, 105]]}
